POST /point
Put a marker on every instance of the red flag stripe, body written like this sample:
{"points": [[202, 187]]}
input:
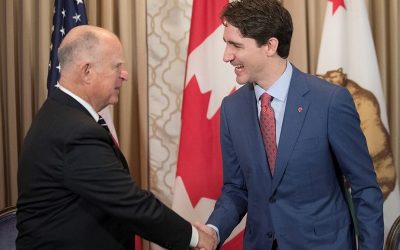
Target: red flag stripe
{"points": [[205, 20], [199, 164]]}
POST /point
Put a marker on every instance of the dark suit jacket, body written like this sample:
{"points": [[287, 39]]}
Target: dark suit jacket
{"points": [[302, 206], [75, 191]]}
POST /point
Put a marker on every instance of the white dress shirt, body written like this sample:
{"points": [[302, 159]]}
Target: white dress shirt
{"points": [[279, 91]]}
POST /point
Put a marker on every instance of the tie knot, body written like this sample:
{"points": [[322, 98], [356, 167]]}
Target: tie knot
{"points": [[103, 123], [265, 99]]}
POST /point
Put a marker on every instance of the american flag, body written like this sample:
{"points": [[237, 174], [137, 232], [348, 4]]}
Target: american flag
{"points": [[67, 14]]}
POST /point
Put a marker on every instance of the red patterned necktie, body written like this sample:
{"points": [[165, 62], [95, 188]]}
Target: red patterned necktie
{"points": [[268, 130]]}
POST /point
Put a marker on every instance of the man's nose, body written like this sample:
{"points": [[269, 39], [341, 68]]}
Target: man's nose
{"points": [[124, 75], [228, 55]]}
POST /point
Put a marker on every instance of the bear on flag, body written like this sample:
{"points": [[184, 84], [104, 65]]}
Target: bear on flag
{"points": [[347, 57]]}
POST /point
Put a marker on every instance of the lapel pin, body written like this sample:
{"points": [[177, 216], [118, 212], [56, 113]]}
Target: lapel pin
{"points": [[299, 109]]}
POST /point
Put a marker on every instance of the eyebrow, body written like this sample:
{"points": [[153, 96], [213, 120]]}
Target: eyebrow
{"points": [[234, 43], [118, 64]]}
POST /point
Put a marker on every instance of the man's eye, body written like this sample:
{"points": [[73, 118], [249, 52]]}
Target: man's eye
{"points": [[235, 45]]}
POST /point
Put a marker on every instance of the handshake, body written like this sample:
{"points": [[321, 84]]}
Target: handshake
{"points": [[207, 237]]}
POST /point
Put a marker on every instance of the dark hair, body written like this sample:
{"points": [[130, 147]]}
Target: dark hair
{"points": [[261, 20]]}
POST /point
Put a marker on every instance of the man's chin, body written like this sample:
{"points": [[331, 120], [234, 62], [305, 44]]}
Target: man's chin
{"points": [[113, 101], [241, 81]]}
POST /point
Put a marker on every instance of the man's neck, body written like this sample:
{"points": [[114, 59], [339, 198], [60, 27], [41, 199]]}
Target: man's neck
{"points": [[273, 72], [81, 100]]}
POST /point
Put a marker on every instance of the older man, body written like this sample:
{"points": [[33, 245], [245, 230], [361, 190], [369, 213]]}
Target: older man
{"points": [[75, 191]]}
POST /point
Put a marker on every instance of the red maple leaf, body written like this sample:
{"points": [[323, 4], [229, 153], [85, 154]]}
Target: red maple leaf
{"points": [[336, 5], [199, 159]]}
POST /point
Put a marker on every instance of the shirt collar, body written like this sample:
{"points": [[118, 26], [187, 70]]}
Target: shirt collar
{"points": [[87, 106], [278, 89]]}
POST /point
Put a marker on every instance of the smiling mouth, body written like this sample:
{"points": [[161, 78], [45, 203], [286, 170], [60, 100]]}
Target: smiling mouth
{"points": [[238, 68]]}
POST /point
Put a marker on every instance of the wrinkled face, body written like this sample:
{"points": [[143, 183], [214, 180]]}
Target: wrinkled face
{"points": [[110, 72], [245, 55]]}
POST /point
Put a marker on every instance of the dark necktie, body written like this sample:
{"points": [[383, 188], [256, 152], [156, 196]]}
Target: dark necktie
{"points": [[268, 130], [103, 123]]}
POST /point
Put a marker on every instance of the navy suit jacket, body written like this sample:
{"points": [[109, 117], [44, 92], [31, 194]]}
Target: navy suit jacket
{"points": [[75, 191], [302, 206]]}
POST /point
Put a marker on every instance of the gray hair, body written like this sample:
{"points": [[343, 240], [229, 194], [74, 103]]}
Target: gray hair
{"points": [[87, 42]]}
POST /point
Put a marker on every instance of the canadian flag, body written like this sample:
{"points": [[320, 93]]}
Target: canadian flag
{"points": [[347, 57], [208, 80]]}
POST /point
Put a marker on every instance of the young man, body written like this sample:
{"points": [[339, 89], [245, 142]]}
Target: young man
{"points": [[75, 191], [287, 139]]}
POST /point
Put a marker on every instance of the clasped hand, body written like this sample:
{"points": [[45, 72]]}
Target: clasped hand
{"points": [[207, 237]]}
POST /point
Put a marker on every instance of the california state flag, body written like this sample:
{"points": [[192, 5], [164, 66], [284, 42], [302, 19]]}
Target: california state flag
{"points": [[208, 80], [347, 57]]}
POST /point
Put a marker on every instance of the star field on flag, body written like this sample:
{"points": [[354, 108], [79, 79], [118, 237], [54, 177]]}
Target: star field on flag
{"points": [[66, 15]]}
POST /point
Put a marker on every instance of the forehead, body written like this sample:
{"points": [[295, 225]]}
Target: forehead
{"points": [[113, 50], [232, 35], [231, 32]]}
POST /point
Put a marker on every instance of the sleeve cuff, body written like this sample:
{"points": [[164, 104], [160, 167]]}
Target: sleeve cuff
{"points": [[195, 237], [216, 231]]}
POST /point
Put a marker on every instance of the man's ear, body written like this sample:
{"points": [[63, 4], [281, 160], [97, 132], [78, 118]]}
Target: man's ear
{"points": [[86, 71], [271, 46]]}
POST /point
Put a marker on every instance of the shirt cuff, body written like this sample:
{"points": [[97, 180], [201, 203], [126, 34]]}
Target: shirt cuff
{"points": [[216, 231], [195, 237]]}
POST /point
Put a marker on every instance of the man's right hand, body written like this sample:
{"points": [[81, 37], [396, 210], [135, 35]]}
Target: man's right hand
{"points": [[207, 237]]}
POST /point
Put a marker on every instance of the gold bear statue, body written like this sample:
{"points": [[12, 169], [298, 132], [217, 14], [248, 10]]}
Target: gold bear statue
{"points": [[371, 124]]}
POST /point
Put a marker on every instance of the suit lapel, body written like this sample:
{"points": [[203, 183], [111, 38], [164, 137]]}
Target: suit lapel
{"points": [[65, 99], [121, 157], [295, 112], [249, 119]]}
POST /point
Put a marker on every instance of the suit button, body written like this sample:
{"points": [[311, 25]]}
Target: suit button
{"points": [[270, 234], [272, 199]]}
